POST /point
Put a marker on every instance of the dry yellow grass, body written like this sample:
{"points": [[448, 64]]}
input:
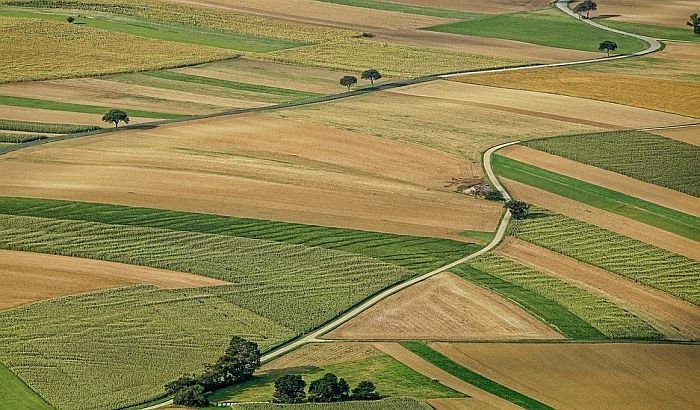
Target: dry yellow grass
{"points": [[678, 97], [672, 13], [322, 354], [40, 49], [481, 6]]}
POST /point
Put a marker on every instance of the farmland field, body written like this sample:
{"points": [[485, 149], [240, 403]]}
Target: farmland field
{"points": [[386, 404], [17, 395], [669, 13]]}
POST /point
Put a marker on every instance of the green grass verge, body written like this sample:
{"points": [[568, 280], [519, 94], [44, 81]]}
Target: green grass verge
{"points": [[480, 235], [613, 252], [6, 144], [171, 75], [436, 358], [15, 395], [637, 154], [608, 318], [683, 33], [19, 138], [160, 30], [545, 309], [41, 127], [406, 8], [391, 377], [599, 197], [394, 403], [87, 109], [414, 253], [547, 27]]}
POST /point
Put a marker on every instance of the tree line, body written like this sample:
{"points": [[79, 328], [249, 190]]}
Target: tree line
{"points": [[289, 389], [372, 75]]}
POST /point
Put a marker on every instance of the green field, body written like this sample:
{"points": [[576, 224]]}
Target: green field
{"points": [[19, 138], [616, 253], [637, 154], [82, 108], [407, 8], [399, 403], [414, 253], [682, 33], [41, 127], [547, 310], [391, 377], [634, 208], [15, 395], [121, 346], [547, 27], [609, 319], [457, 370]]}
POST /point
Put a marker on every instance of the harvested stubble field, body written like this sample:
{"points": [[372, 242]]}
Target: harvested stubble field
{"points": [[672, 96], [29, 277], [444, 307], [352, 361], [318, 175], [690, 135], [581, 376], [24, 114], [604, 315], [616, 253], [671, 13], [479, 6]]}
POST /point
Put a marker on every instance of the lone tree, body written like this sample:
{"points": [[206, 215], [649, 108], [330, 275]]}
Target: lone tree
{"points": [[607, 46], [116, 116], [348, 81], [518, 209], [70, 19], [191, 396], [372, 75], [290, 389], [695, 23], [365, 390], [329, 389]]}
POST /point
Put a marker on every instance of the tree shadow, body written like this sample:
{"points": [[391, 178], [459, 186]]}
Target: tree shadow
{"points": [[604, 16]]}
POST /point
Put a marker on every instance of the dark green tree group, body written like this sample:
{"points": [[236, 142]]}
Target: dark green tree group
{"points": [[329, 388], [585, 7], [290, 389], [694, 23], [518, 209], [372, 75]]}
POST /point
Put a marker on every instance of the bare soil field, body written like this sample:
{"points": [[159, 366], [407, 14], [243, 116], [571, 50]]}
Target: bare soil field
{"points": [[604, 219], [672, 13], [322, 354], [27, 277], [612, 180], [674, 318], [8, 112], [461, 128], [478, 398], [444, 307], [480, 6], [459, 404], [585, 376], [690, 135], [261, 167]]}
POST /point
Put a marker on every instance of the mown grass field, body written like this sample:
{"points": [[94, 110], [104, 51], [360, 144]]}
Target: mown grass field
{"points": [[608, 318], [399, 403], [548, 27], [634, 208], [616, 253], [638, 154], [16, 395], [71, 107], [121, 346], [650, 30], [443, 362]]}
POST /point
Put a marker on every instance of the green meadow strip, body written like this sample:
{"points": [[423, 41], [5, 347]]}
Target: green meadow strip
{"points": [[15, 394], [405, 8], [86, 109], [599, 197], [438, 359], [650, 30]]}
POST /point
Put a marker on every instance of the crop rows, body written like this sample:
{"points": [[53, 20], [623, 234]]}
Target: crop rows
{"points": [[399, 403], [43, 127], [637, 154], [613, 252], [121, 346], [19, 138], [610, 319]]}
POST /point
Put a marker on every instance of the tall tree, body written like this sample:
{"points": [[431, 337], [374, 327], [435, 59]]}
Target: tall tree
{"points": [[694, 23], [365, 390], [348, 81], [290, 389], [236, 365], [329, 389], [585, 7], [607, 46], [116, 116], [191, 396], [372, 75]]}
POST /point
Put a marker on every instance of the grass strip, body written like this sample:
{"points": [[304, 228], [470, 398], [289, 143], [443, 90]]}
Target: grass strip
{"points": [[406, 8], [654, 31], [438, 359], [82, 108], [599, 197], [40, 127], [391, 403], [545, 309], [172, 75], [17, 395]]}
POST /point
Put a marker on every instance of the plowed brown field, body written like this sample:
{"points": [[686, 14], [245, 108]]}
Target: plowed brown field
{"points": [[586, 376], [604, 219], [672, 13], [444, 307], [612, 180], [27, 277], [480, 6], [262, 167], [675, 318]]}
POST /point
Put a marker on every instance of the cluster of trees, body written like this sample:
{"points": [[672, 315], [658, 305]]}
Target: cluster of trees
{"points": [[238, 364], [585, 7], [372, 75], [290, 389], [518, 209], [694, 23]]}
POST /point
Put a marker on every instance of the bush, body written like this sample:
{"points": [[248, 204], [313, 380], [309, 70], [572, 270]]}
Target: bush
{"points": [[329, 389], [365, 390], [518, 209], [290, 389], [191, 396]]}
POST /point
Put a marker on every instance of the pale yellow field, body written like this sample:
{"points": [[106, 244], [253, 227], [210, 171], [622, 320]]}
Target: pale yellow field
{"points": [[8, 112], [480, 6]]}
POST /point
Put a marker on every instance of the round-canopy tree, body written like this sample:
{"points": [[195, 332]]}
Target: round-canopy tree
{"points": [[348, 81], [695, 23], [290, 389], [607, 46], [372, 75], [116, 116]]}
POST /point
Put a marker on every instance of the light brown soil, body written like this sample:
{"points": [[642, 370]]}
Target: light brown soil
{"points": [[480, 6], [673, 317], [690, 135], [612, 180], [62, 117], [27, 277], [589, 376], [261, 167], [604, 219], [481, 398], [322, 354], [672, 13], [572, 109], [444, 307], [459, 404]]}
